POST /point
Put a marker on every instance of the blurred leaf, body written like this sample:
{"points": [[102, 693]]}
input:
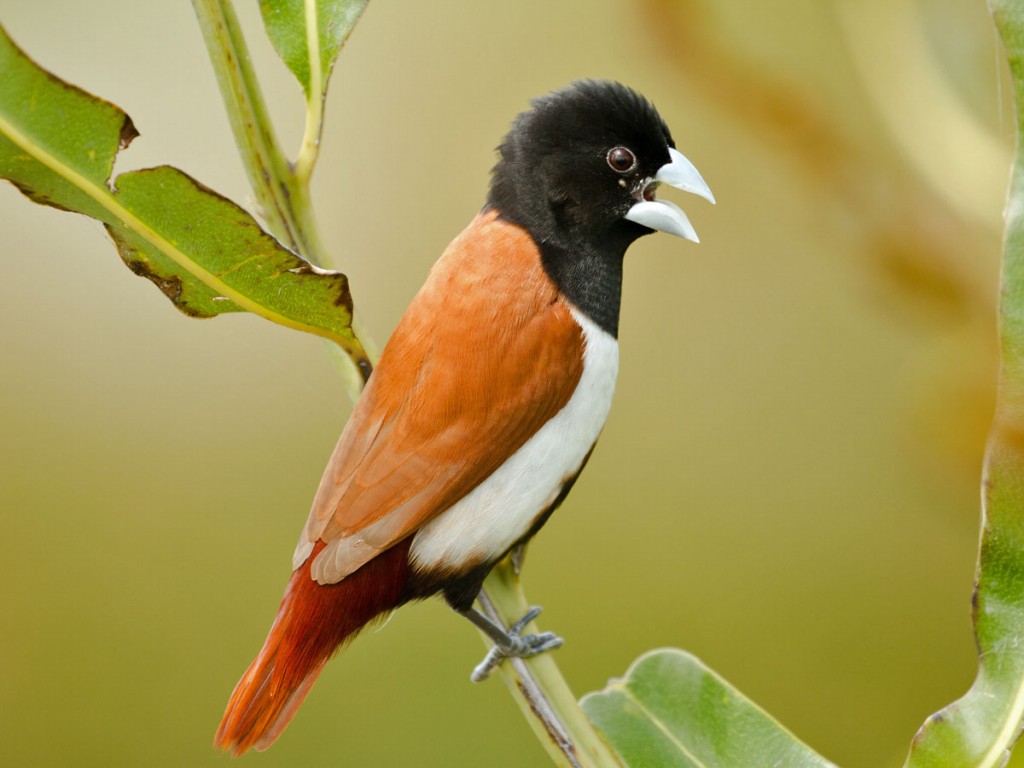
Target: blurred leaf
{"points": [[58, 145], [980, 728], [286, 23], [671, 710]]}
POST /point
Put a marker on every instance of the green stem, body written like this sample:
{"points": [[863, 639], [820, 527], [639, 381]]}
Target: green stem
{"points": [[267, 168], [537, 685], [283, 197], [310, 149]]}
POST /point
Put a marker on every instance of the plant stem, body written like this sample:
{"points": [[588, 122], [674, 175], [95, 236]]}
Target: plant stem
{"points": [[537, 684], [315, 92], [282, 196], [265, 165]]}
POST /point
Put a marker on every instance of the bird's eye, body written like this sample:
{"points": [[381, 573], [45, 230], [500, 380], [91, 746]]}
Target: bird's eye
{"points": [[621, 160]]}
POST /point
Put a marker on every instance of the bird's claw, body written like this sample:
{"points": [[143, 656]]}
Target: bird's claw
{"points": [[518, 646]]}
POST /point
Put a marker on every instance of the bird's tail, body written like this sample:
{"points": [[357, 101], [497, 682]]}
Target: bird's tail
{"points": [[313, 621]]}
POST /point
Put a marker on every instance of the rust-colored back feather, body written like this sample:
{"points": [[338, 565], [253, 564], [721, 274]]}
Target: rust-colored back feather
{"points": [[312, 623], [487, 352]]}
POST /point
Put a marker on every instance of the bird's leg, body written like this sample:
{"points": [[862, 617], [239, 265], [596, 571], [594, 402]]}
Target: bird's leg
{"points": [[510, 643]]}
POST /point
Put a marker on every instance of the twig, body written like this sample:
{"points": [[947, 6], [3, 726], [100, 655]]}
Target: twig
{"points": [[538, 686]]}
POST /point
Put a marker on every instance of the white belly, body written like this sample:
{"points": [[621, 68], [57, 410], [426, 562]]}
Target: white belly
{"points": [[493, 516]]}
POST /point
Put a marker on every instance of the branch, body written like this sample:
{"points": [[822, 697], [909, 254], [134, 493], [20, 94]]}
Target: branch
{"points": [[283, 197], [537, 685]]}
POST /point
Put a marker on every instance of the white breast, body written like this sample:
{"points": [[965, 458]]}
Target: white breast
{"points": [[498, 512]]}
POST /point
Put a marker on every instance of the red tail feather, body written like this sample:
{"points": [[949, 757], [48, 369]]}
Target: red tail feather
{"points": [[312, 623]]}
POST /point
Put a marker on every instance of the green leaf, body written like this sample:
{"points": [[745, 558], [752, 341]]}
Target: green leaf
{"points": [[58, 145], [54, 116], [980, 728], [672, 711], [241, 265], [308, 34]]}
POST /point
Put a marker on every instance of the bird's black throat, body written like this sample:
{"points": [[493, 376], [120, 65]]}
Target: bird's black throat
{"points": [[585, 267], [590, 278]]}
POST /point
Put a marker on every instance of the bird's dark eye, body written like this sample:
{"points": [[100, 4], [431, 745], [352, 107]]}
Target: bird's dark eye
{"points": [[621, 160]]}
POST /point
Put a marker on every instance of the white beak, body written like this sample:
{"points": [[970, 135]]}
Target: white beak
{"points": [[666, 216]]}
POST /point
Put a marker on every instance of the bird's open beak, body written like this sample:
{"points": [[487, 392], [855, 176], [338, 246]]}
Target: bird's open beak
{"points": [[663, 215]]}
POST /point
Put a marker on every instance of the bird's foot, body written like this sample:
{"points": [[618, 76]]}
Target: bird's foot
{"points": [[513, 644]]}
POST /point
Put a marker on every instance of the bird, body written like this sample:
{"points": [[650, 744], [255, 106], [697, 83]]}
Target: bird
{"points": [[487, 400]]}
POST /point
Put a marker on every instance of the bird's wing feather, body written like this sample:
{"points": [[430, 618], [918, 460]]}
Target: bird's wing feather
{"points": [[487, 352]]}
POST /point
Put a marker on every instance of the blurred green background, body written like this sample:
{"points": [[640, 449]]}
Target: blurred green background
{"points": [[788, 482]]}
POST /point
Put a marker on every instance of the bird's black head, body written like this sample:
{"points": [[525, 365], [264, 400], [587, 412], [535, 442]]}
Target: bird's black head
{"points": [[579, 171]]}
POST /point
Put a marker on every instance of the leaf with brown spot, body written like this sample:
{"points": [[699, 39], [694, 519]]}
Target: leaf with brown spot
{"points": [[205, 253]]}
